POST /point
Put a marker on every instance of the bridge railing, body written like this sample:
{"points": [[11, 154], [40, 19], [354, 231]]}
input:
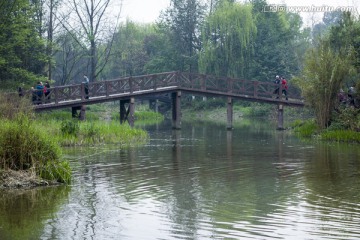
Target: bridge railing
{"points": [[224, 85], [138, 84]]}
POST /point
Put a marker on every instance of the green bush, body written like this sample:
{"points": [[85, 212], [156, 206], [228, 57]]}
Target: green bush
{"points": [[70, 127], [341, 136], [25, 146], [306, 129], [346, 118]]}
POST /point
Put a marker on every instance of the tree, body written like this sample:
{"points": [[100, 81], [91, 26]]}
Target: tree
{"points": [[70, 59], [22, 51], [182, 21], [129, 55], [320, 81], [276, 41], [228, 40], [94, 27], [329, 20]]}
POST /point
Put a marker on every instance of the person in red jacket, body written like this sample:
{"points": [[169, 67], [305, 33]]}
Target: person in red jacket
{"points": [[284, 87]]}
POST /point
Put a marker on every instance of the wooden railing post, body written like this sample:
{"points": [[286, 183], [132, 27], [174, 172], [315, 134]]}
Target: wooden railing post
{"points": [[56, 95], [154, 83], [256, 83], [280, 91], [131, 85], [107, 88], [203, 83], [230, 84], [82, 91]]}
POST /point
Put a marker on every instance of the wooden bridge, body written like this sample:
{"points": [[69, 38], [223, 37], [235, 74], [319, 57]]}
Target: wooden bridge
{"points": [[126, 89]]}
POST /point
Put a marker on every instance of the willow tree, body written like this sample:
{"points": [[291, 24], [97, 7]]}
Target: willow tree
{"points": [[324, 72], [227, 40]]}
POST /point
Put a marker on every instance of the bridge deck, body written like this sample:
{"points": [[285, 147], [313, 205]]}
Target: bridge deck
{"points": [[154, 84]]}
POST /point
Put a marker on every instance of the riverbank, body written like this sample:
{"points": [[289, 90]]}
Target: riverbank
{"points": [[31, 145], [24, 179]]}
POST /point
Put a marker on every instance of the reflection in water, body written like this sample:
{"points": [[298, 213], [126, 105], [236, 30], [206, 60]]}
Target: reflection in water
{"points": [[204, 182], [23, 213]]}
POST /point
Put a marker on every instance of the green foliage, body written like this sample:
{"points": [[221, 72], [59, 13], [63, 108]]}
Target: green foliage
{"points": [[55, 170], [279, 43], [256, 110], [227, 40], [97, 132], [320, 81], [148, 115], [141, 115], [181, 22], [346, 118], [25, 146], [341, 136], [129, 56], [22, 51], [210, 103], [70, 127], [11, 105], [306, 128]]}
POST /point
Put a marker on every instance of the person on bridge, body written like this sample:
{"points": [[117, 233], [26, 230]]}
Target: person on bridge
{"points": [[39, 92], [86, 82], [47, 90], [277, 82], [284, 87]]}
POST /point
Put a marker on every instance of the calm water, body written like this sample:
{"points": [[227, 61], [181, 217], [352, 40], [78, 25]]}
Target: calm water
{"points": [[202, 182]]}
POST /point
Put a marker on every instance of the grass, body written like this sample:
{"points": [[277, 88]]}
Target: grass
{"points": [[309, 129], [89, 133], [26, 146], [341, 136]]}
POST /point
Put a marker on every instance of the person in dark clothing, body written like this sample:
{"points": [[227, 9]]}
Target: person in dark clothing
{"points": [[86, 82], [20, 91], [47, 90], [39, 92]]}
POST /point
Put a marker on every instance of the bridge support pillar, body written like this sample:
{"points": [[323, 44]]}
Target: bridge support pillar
{"points": [[229, 113], [280, 117], [176, 109], [81, 115], [129, 113], [154, 105], [131, 117], [122, 111]]}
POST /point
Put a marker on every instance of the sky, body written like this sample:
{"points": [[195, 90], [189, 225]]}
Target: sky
{"points": [[146, 11]]}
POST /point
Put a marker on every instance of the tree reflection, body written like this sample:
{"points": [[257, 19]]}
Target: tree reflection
{"points": [[23, 213]]}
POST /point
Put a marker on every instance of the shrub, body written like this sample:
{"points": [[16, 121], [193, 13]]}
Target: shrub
{"points": [[341, 136], [24, 146], [307, 128], [11, 105], [70, 127]]}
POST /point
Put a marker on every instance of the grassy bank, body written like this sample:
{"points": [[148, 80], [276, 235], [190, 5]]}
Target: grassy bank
{"points": [[73, 132], [30, 145], [26, 147], [309, 129]]}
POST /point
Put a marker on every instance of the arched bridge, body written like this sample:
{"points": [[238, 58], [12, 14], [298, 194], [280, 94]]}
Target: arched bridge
{"points": [[128, 88]]}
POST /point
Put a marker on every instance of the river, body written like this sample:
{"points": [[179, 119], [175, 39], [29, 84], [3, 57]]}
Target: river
{"points": [[200, 182]]}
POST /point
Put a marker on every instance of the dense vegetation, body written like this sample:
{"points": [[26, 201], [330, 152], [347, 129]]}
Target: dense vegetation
{"points": [[32, 143], [61, 40]]}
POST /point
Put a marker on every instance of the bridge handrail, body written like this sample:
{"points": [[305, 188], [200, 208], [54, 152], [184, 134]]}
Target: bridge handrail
{"points": [[188, 81]]}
